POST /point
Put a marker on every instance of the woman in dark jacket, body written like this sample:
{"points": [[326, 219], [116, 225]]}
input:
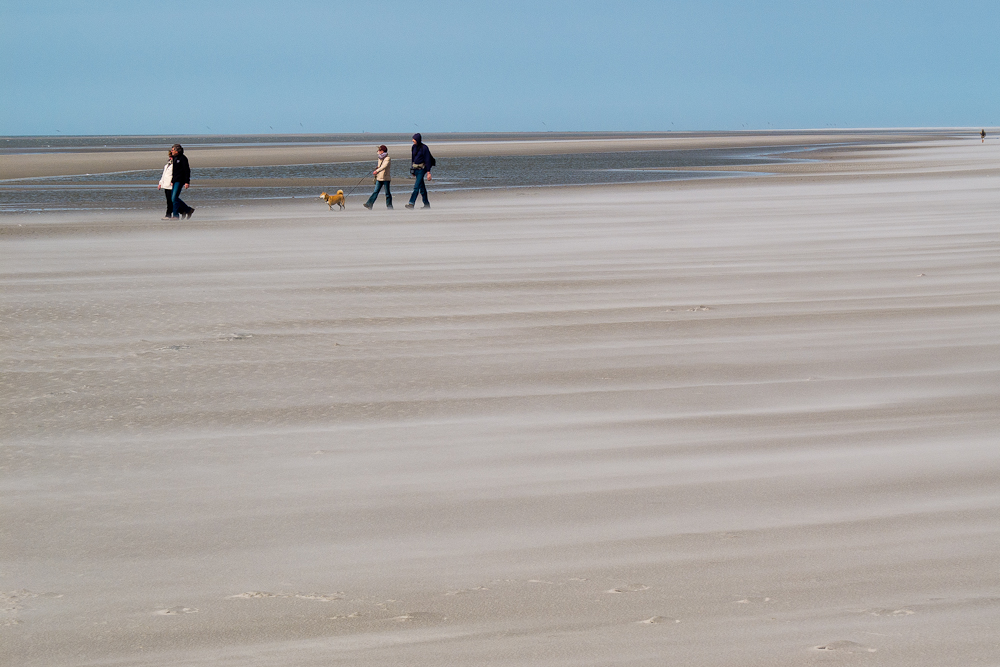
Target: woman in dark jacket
{"points": [[422, 161], [181, 180]]}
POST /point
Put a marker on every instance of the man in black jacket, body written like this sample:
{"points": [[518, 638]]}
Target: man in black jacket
{"points": [[422, 161], [181, 180]]}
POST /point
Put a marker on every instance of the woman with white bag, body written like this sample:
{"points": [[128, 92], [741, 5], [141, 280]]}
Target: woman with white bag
{"points": [[166, 184]]}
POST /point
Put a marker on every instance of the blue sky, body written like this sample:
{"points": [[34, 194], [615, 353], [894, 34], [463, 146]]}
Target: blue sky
{"points": [[179, 67]]}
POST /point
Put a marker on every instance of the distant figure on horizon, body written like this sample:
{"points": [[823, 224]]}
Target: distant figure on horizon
{"points": [[382, 177], [982, 136], [422, 161], [180, 179]]}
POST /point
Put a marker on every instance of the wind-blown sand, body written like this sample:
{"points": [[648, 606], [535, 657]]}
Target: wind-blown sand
{"points": [[735, 422]]}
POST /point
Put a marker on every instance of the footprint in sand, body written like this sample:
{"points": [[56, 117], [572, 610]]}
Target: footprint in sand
{"points": [[844, 646], [629, 588], [888, 612], [463, 591], [660, 619], [174, 611], [340, 617], [235, 336], [319, 597], [13, 602], [420, 616]]}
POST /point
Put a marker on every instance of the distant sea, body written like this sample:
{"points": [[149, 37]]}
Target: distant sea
{"points": [[127, 190]]}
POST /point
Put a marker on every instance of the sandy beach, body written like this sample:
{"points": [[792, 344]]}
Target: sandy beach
{"points": [[739, 421]]}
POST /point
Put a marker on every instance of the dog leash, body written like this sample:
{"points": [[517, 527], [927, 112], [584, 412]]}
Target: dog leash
{"points": [[356, 186]]}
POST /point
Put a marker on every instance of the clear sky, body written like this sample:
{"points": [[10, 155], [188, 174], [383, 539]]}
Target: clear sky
{"points": [[249, 66]]}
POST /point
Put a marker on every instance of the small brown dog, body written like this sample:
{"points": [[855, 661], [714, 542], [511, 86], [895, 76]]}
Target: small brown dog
{"points": [[337, 199]]}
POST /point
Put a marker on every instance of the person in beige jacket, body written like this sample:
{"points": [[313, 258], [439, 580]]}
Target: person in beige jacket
{"points": [[382, 177]]}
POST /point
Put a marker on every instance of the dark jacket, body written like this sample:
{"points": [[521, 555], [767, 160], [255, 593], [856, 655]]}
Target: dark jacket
{"points": [[420, 154], [182, 172]]}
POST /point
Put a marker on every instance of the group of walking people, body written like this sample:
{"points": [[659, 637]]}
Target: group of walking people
{"points": [[177, 176], [421, 162]]}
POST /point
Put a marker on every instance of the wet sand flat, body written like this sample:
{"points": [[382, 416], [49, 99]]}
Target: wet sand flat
{"points": [[731, 422], [97, 160]]}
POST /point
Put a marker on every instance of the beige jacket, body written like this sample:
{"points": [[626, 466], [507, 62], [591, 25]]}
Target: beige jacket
{"points": [[383, 169]]}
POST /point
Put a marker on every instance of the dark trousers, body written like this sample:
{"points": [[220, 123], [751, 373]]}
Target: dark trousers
{"points": [[388, 194], [419, 186], [179, 205], [169, 193]]}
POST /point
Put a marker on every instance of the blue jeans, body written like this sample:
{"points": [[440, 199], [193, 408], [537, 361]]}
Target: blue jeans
{"points": [[388, 194], [419, 187], [179, 205]]}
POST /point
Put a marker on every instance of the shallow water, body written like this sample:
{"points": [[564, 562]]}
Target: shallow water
{"points": [[137, 189]]}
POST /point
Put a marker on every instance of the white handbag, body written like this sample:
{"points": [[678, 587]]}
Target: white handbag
{"points": [[166, 181]]}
